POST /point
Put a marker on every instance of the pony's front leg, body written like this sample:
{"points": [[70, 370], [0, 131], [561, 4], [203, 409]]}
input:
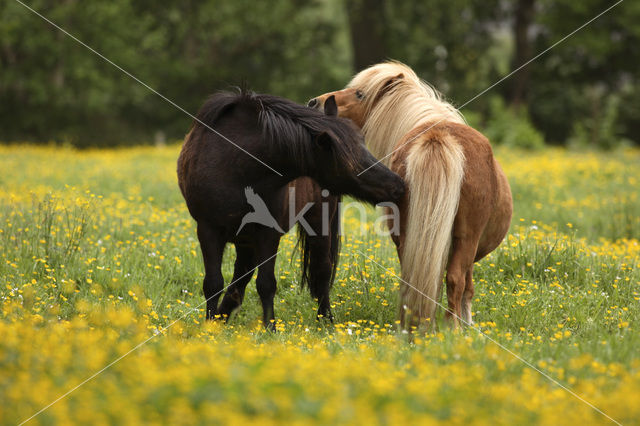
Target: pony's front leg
{"points": [[266, 281], [467, 297], [212, 246], [242, 273], [398, 225]]}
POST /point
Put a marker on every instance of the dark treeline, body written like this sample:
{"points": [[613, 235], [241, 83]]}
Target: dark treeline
{"points": [[584, 91]]}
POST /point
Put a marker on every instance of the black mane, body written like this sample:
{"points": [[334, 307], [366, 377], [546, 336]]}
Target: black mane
{"points": [[287, 124]]}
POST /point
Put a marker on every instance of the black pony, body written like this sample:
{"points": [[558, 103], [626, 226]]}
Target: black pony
{"points": [[237, 188]]}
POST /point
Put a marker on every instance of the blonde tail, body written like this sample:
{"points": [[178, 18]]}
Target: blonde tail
{"points": [[434, 175]]}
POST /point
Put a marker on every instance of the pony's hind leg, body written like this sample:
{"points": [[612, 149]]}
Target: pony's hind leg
{"points": [[212, 246], [321, 250], [320, 272], [242, 273], [460, 263]]}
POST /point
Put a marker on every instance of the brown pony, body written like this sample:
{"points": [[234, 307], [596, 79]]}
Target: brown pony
{"points": [[458, 205]]}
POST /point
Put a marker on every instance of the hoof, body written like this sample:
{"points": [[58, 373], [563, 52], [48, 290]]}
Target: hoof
{"points": [[270, 326], [217, 317], [321, 317]]}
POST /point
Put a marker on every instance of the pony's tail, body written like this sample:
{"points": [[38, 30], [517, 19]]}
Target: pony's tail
{"points": [[320, 254], [434, 175]]}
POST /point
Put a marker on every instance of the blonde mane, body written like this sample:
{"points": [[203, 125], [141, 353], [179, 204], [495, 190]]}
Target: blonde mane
{"points": [[407, 103]]}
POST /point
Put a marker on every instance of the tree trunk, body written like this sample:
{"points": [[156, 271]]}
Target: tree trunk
{"points": [[366, 25], [523, 19]]}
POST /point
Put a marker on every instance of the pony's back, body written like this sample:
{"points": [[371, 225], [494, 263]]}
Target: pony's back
{"points": [[285, 125], [216, 105]]}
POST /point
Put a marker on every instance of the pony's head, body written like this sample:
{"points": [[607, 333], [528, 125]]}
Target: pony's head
{"points": [[386, 101], [345, 166], [365, 90]]}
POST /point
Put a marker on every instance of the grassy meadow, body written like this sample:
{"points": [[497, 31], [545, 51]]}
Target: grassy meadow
{"points": [[99, 259]]}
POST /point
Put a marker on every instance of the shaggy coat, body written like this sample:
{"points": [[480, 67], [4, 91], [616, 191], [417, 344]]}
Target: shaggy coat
{"points": [[458, 205], [247, 148]]}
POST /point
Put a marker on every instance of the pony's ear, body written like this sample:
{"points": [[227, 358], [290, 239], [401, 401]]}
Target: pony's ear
{"points": [[396, 78], [387, 86], [330, 106], [324, 140], [390, 83]]}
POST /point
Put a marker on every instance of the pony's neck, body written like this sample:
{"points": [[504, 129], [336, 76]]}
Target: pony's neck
{"points": [[394, 116]]}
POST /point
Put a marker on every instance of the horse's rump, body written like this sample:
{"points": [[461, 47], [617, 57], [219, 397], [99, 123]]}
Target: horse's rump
{"points": [[432, 164]]}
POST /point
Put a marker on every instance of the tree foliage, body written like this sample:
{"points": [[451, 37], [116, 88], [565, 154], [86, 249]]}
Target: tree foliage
{"points": [[52, 88], [582, 77]]}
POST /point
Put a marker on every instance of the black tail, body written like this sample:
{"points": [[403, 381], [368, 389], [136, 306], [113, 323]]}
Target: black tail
{"points": [[320, 253]]}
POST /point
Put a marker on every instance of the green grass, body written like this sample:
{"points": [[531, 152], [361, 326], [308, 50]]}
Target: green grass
{"points": [[81, 232]]}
